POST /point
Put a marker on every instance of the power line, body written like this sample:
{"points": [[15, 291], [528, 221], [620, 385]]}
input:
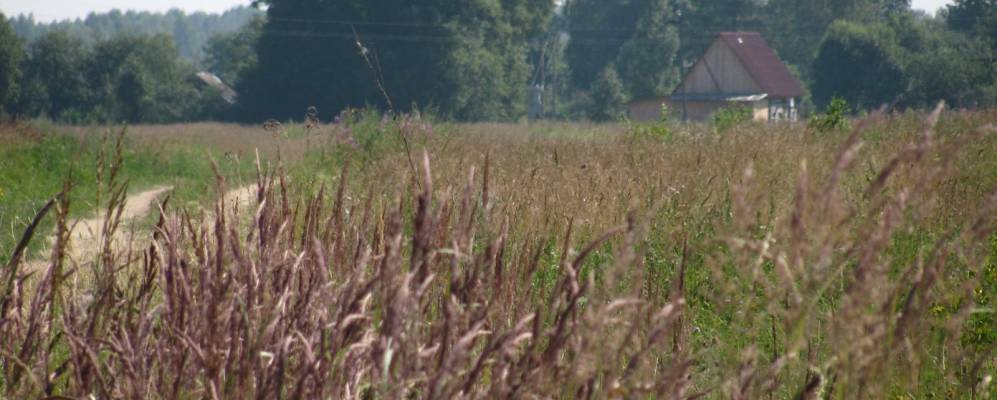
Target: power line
{"points": [[355, 22], [366, 36], [384, 37]]}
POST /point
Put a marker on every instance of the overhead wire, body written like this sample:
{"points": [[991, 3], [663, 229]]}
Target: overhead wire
{"points": [[389, 37]]}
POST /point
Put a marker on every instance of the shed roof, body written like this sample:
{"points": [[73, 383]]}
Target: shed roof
{"points": [[763, 64]]}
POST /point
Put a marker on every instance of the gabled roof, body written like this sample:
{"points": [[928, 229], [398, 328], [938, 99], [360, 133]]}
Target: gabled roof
{"points": [[769, 72]]}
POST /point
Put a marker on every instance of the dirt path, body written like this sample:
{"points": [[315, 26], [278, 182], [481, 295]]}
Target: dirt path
{"points": [[241, 198], [85, 235]]}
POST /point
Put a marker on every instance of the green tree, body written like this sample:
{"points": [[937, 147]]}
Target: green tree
{"points": [[907, 60], [861, 64], [637, 38], [54, 80], [231, 55], [647, 60], [701, 20], [608, 96], [141, 79], [952, 67], [190, 32], [977, 18], [11, 54], [796, 28], [598, 30], [467, 58]]}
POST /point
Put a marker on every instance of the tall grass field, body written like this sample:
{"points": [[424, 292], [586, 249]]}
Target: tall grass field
{"points": [[398, 257]]}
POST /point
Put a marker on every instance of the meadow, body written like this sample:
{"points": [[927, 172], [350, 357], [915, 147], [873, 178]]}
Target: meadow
{"points": [[401, 257]]}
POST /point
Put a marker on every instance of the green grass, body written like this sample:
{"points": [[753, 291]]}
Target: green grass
{"points": [[37, 159], [738, 305]]}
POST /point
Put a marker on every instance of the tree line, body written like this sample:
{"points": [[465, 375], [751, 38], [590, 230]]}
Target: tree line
{"points": [[478, 59], [190, 32]]}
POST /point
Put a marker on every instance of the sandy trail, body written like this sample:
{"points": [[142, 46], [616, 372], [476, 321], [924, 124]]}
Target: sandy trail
{"points": [[240, 198], [86, 234]]}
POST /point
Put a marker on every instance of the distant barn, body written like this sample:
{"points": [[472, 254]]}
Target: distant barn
{"points": [[738, 69]]}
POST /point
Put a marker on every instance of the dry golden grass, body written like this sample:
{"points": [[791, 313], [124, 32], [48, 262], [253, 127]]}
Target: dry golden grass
{"points": [[513, 261], [544, 176]]}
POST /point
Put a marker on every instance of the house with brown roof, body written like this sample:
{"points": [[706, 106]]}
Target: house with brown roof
{"points": [[738, 69]]}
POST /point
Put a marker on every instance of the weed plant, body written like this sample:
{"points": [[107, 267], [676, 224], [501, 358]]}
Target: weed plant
{"points": [[730, 117]]}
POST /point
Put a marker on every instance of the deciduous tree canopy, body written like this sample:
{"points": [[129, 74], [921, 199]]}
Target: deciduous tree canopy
{"points": [[480, 59], [859, 63], [190, 32], [10, 73], [467, 58]]}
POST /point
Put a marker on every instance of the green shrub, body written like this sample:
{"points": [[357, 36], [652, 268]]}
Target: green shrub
{"points": [[729, 117], [834, 117], [659, 130]]}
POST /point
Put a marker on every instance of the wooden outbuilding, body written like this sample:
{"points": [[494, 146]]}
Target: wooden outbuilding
{"points": [[738, 69]]}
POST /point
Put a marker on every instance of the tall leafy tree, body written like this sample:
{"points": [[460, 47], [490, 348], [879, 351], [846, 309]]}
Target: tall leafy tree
{"points": [[701, 20], [948, 65], [11, 54], [637, 38], [598, 29], [486, 68], [141, 79], [231, 55], [949, 71], [647, 61], [608, 96], [54, 82], [467, 58], [796, 28], [976, 18], [860, 63]]}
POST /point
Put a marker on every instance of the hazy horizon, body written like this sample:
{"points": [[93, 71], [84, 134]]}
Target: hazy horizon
{"points": [[55, 10]]}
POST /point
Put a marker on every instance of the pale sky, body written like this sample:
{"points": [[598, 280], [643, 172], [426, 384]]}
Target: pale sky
{"points": [[48, 10], [929, 5]]}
